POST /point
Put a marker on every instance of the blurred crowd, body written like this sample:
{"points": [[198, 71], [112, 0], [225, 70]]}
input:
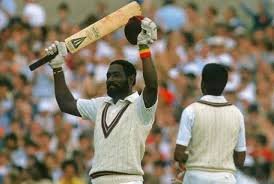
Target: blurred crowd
{"points": [[39, 144]]}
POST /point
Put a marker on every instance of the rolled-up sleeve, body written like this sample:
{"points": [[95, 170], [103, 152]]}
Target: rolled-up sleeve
{"points": [[241, 143], [147, 115], [186, 124], [88, 108]]}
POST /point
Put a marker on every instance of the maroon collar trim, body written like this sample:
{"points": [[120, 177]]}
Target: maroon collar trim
{"points": [[214, 104], [108, 129]]}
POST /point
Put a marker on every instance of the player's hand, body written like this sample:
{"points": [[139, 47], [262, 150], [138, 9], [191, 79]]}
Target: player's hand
{"points": [[180, 175], [176, 181], [149, 32], [60, 48], [179, 178]]}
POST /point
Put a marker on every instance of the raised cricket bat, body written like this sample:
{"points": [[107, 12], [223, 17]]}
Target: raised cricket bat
{"points": [[95, 31]]}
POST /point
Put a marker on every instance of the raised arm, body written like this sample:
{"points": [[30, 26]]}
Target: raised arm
{"points": [[267, 6], [150, 78], [247, 9], [64, 98], [147, 36]]}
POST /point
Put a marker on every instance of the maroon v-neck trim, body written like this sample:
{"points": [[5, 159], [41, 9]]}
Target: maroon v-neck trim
{"points": [[107, 129]]}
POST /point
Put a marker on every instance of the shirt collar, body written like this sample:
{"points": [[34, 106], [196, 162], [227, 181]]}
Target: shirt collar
{"points": [[131, 98], [214, 99]]}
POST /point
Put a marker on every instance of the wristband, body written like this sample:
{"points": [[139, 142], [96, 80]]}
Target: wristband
{"points": [[59, 70], [144, 53]]}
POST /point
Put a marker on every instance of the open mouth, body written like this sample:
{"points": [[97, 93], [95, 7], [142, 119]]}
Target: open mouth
{"points": [[111, 86]]}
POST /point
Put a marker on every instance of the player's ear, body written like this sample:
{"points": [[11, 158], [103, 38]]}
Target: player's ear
{"points": [[131, 80]]}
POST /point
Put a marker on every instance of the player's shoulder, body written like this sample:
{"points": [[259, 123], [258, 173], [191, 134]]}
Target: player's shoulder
{"points": [[95, 101], [100, 100], [237, 110], [192, 105], [189, 108]]}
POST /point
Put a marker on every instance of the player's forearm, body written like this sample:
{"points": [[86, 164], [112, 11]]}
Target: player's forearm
{"points": [[181, 158], [149, 72], [239, 158], [180, 154], [64, 98], [150, 78]]}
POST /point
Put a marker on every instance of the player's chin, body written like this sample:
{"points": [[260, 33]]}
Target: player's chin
{"points": [[112, 92]]}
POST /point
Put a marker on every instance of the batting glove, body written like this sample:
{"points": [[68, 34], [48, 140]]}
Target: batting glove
{"points": [[149, 32], [59, 60]]}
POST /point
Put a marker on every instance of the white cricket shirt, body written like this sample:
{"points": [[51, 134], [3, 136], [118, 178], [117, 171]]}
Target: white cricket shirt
{"points": [[120, 133]]}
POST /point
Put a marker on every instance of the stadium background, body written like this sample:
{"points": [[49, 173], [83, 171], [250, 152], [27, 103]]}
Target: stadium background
{"points": [[85, 7], [36, 139]]}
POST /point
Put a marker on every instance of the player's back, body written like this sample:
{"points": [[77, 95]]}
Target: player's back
{"points": [[214, 136]]}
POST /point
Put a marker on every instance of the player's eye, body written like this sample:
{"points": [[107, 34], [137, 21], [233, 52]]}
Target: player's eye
{"points": [[116, 75]]}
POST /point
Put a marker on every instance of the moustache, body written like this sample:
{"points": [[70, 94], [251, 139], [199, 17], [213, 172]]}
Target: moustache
{"points": [[112, 84]]}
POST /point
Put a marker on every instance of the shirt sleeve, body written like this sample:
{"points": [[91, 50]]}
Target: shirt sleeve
{"points": [[147, 115], [88, 108], [186, 124], [241, 143]]}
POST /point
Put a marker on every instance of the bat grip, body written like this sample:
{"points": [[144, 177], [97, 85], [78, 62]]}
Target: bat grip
{"points": [[42, 61]]}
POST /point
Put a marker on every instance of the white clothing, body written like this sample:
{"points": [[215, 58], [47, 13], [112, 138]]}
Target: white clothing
{"points": [[35, 14], [3, 20], [104, 50], [120, 146], [248, 93], [202, 177], [112, 179], [187, 122], [10, 7], [212, 129], [131, 53]]}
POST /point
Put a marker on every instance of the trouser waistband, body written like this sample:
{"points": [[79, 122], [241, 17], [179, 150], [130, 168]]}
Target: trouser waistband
{"points": [[106, 173]]}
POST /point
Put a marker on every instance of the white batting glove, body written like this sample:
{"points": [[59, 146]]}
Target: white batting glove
{"points": [[149, 32], [59, 60]]}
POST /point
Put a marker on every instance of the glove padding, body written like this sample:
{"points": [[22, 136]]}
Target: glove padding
{"points": [[59, 60], [149, 32]]}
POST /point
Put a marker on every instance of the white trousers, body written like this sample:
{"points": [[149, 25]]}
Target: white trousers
{"points": [[202, 177], [117, 179], [132, 182]]}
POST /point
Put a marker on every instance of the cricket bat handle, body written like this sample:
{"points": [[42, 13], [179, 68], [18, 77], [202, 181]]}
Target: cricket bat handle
{"points": [[42, 61]]}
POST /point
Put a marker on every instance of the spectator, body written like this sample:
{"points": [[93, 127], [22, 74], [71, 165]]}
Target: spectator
{"points": [[263, 156], [170, 17], [64, 21], [231, 17], [70, 173], [210, 18], [260, 19], [6, 102], [7, 12], [37, 173], [34, 14], [64, 13], [203, 33], [4, 165], [194, 20]]}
